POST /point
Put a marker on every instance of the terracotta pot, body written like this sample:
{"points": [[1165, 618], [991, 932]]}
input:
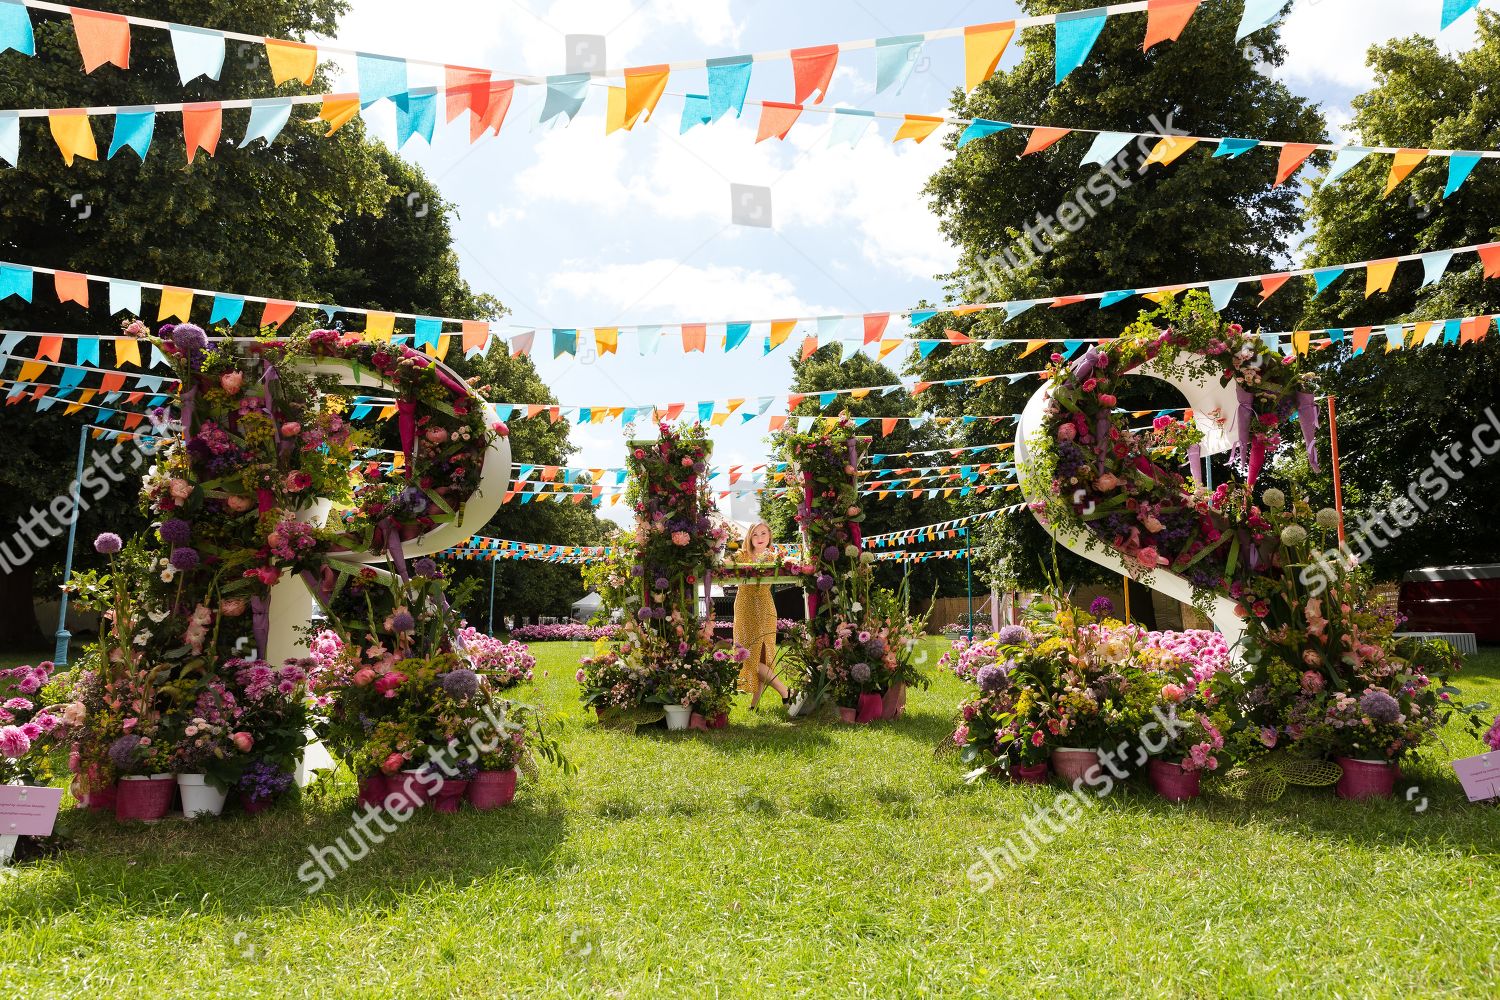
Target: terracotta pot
{"points": [[448, 798], [894, 702], [1072, 764], [492, 789], [1365, 779], [719, 721], [1029, 774], [1172, 782], [372, 791], [145, 798], [871, 706], [848, 714]]}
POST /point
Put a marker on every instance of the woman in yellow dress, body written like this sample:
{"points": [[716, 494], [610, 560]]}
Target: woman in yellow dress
{"points": [[755, 621]]}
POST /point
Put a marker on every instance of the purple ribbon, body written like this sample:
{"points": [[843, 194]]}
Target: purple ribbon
{"points": [[1195, 459], [260, 622], [1085, 366], [393, 547], [1307, 416], [1240, 454], [406, 422], [189, 398]]}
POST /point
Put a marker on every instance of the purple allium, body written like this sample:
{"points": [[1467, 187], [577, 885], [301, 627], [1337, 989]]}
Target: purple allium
{"points": [[831, 553], [991, 678], [1101, 606], [660, 583], [1379, 705], [425, 567], [108, 543], [402, 621], [860, 672], [1013, 635], [189, 338], [461, 683], [122, 751], [175, 531], [413, 499], [183, 559], [825, 582]]}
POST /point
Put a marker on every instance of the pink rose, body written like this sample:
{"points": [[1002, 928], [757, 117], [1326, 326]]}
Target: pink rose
{"points": [[230, 382], [291, 429], [1312, 681], [1107, 399], [237, 503], [243, 742], [1172, 693], [232, 607], [393, 763], [180, 489], [1066, 432], [435, 435], [681, 538], [363, 678]]}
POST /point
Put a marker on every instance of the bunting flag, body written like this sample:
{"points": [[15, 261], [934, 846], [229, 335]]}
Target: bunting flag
{"points": [[1165, 20], [917, 127], [102, 38], [1293, 155], [984, 44], [812, 72], [291, 61], [776, 120], [201, 125], [1077, 31]]}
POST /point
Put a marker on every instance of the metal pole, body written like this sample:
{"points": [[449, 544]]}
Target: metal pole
{"points": [[492, 595], [63, 636], [1338, 485], [969, 572]]}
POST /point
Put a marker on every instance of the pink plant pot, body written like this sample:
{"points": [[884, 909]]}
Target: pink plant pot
{"points": [[696, 721], [1072, 764], [101, 799], [144, 799], [254, 807], [1172, 782], [450, 796], [848, 714], [719, 721], [492, 789], [871, 707], [407, 785], [1029, 774], [372, 790], [1365, 779], [894, 702]]}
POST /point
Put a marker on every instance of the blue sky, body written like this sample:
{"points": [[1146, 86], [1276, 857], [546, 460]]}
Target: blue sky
{"points": [[572, 228]]}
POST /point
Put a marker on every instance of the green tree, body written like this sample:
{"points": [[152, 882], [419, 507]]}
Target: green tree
{"points": [[1398, 410], [1197, 218], [822, 371]]}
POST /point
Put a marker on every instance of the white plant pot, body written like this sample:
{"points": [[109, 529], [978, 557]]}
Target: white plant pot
{"points": [[199, 798], [798, 705], [677, 716]]}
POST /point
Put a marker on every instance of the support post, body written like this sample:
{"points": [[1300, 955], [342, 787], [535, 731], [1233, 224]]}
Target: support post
{"points": [[493, 561], [1338, 486], [63, 636], [969, 573]]}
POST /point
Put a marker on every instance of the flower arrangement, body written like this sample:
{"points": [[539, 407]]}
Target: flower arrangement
{"points": [[870, 654], [824, 489], [563, 632], [676, 663], [677, 535], [28, 727]]}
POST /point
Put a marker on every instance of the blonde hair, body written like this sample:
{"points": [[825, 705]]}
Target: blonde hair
{"points": [[748, 546]]}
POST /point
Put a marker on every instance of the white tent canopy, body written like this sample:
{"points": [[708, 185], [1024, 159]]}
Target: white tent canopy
{"points": [[584, 607]]}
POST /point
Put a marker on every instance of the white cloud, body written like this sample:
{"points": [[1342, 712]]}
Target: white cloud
{"points": [[1327, 42], [665, 288]]}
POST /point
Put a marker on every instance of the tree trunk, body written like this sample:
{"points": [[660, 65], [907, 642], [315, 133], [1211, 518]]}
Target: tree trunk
{"points": [[19, 631]]}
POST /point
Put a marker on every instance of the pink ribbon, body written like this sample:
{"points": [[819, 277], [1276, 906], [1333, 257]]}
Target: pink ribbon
{"points": [[260, 622], [1195, 459], [264, 500], [1257, 460], [1307, 416], [392, 532], [1241, 452], [406, 422]]}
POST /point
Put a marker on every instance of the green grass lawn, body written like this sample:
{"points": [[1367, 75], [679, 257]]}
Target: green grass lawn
{"points": [[774, 859]]}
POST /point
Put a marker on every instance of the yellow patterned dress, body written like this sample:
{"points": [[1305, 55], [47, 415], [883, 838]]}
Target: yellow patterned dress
{"points": [[754, 627]]}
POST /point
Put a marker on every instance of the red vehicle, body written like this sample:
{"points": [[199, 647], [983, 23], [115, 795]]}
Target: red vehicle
{"points": [[1453, 599]]}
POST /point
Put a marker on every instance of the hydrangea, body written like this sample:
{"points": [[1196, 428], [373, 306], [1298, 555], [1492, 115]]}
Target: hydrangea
{"points": [[992, 678], [1380, 706], [425, 567], [107, 543]]}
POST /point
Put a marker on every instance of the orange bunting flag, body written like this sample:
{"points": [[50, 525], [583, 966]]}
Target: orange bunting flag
{"points": [[780, 330], [917, 127], [1405, 162], [176, 302], [644, 86], [984, 44], [1293, 155], [379, 326], [694, 337], [467, 89], [291, 61], [127, 349], [201, 125], [50, 349], [1378, 276], [1165, 20], [777, 119], [71, 287], [887, 424], [955, 337], [1489, 255], [809, 347], [338, 110], [1067, 300], [875, 324], [1270, 284], [607, 339], [495, 109], [614, 113], [73, 134], [920, 388], [1475, 329], [1169, 148], [112, 382], [887, 346], [476, 334], [1359, 337], [1042, 137], [1300, 341], [777, 422], [277, 312], [1033, 346], [812, 69], [102, 38]]}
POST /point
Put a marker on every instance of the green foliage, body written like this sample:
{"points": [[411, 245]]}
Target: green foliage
{"points": [[1398, 413], [1197, 218]]}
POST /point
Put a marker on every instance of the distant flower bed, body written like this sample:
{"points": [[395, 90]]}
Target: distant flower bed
{"points": [[575, 632]]}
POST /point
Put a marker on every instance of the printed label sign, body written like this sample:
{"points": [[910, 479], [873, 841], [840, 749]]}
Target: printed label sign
{"points": [[1480, 776], [28, 811]]}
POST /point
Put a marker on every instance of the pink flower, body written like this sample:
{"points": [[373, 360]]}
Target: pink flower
{"points": [[237, 503], [1107, 399], [435, 435], [681, 538], [180, 489], [297, 481], [230, 382], [291, 429], [364, 677], [1161, 423], [1268, 737], [1108, 481], [232, 607], [1172, 692], [1312, 682], [244, 742], [393, 763], [687, 463], [14, 742], [1090, 385], [1066, 432]]}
